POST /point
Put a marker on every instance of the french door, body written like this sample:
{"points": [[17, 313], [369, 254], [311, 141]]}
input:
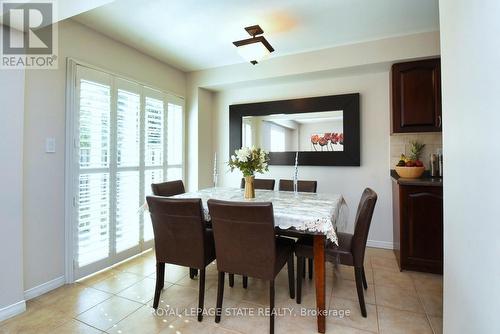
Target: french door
{"points": [[126, 136]]}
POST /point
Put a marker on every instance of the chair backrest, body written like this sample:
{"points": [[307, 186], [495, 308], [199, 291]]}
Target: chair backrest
{"points": [[264, 184], [302, 186], [179, 230], [245, 241], [169, 188], [362, 225]]}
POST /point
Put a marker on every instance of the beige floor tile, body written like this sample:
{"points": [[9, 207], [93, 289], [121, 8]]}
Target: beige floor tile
{"points": [[379, 252], [433, 304], [392, 321], [176, 298], [436, 324], [354, 318], [427, 283], [385, 263], [140, 265], [142, 291], [246, 318], [389, 278], [210, 280], [93, 279], [182, 326], [37, 319], [117, 282], [308, 299], [73, 299], [396, 297], [145, 321], [347, 272], [109, 312], [346, 289], [395, 294], [74, 327], [173, 273]]}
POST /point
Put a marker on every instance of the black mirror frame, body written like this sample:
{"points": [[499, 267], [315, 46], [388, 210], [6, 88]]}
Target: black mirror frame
{"points": [[349, 103]]}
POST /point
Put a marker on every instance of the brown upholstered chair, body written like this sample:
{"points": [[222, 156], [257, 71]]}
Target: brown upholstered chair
{"points": [[181, 238], [246, 244], [167, 189], [264, 184], [351, 248], [303, 186], [170, 188]]}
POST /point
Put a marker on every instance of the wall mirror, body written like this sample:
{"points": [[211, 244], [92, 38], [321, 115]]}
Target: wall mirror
{"points": [[324, 130]]}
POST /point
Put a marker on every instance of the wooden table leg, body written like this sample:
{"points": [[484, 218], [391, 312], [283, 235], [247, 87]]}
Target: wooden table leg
{"points": [[319, 278]]}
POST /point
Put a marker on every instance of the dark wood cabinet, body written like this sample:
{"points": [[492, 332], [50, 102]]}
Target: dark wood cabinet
{"points": [[418, 227], [416, 96]]}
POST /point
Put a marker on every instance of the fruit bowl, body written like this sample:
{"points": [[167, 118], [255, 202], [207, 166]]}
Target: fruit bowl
{"points": [[410, 172]]}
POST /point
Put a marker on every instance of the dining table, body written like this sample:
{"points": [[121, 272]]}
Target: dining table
{"points": [[319, 215]]}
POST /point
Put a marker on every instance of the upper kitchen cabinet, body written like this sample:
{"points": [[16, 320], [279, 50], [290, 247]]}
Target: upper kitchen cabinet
{"points": [[416, 96]]}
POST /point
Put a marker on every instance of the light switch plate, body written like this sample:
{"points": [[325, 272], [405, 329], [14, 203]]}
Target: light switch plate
{"points": [[50, 145]]}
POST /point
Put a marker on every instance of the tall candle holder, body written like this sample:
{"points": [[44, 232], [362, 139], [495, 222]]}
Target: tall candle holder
{"points": [[296, 174], [215, 175]]}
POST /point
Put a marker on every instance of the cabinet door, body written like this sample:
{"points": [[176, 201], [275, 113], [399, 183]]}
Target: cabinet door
{"points": [[416, 96], [422, 228]]}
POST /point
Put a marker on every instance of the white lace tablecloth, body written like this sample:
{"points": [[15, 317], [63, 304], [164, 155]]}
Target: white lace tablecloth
{"points": [[317, 213]]}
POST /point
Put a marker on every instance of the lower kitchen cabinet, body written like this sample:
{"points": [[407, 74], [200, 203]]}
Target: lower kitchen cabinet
{"points": [[418, 227]]}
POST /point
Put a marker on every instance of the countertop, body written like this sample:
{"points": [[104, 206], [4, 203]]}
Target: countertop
{"points": [[424, 180]]}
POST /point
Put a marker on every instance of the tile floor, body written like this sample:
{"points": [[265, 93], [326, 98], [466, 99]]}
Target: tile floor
{"points": [[119, 301]]}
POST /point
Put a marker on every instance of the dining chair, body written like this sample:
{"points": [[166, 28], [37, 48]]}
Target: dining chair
{"points": [[181, 238], [264, 184], [302, 186], [246, 244], [349, 252], [167, 189], [305, 187]]}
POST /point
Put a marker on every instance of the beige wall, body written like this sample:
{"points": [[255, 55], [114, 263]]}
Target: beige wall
{"points": [[362, 67], [470, 65], [11, 193], [44, 236], [349, 181]]}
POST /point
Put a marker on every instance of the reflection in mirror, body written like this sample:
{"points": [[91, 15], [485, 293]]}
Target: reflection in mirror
{"points": [[312, 131]]}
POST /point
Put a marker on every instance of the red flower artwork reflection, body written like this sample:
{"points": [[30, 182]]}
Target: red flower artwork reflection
{"points": [[328, 140]]}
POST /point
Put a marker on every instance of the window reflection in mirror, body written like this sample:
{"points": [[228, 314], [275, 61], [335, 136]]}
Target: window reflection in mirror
{"points": [[313, 131]]}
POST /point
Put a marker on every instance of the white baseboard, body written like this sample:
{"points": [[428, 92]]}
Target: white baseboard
{"points": [[44, 288], [12, 310], [380, 244]]}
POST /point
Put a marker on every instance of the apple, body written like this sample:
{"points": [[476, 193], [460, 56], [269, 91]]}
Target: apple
{"points": [[410, 164], [419, 163]]}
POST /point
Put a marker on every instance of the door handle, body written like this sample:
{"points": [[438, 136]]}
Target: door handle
{"points": [[439, 121]]}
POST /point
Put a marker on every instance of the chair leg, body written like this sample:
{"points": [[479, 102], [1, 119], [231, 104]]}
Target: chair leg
{"points": [[304, 268], [310, 262], [358, 273], [220, 295], [201, 294], [271, 306], [231, 280], [365, 284], [245, 282], [193, 272], [291, 279], [300, 269], [160, 276]]}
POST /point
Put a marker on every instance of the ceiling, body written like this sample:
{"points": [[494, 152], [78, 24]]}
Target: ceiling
{"points": [[198, 34]]}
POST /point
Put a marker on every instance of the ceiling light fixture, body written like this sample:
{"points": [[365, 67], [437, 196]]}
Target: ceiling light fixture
{"points": [[254, 49]]}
